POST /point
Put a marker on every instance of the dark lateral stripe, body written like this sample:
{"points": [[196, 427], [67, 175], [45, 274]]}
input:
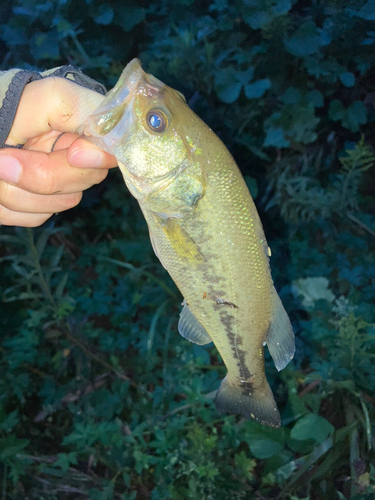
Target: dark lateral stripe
{"points": [[234, 341]]}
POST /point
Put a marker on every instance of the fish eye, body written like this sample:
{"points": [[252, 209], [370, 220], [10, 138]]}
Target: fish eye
{"points": [[156, 120]]}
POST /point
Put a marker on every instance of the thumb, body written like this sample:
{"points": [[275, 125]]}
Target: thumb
{"points": [[51, 104]]}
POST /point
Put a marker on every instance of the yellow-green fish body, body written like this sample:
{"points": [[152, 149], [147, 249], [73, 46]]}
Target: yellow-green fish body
{"points": [[204, 228]]}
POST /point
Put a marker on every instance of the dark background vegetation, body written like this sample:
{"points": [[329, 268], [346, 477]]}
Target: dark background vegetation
{"points": [[100, 398]]}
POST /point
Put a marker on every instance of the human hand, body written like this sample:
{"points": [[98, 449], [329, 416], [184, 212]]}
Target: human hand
{"points": [[35, 183]]}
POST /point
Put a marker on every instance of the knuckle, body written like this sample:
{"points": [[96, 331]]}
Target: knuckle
{"points": [[100, 176], [47, 179], [4, 216], [70, 201], [5, 194]]}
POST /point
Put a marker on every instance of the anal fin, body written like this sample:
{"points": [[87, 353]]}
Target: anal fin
{"points": [[280, 338], [190, 328]]}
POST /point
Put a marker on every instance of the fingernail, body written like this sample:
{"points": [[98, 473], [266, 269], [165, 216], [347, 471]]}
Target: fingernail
{"points": [[90, 158], [10, 169]]}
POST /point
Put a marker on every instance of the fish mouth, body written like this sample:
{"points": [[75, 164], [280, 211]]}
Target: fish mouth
{"points": [[111, 121]]}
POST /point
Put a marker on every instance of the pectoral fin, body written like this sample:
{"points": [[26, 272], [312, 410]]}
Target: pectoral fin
{"points": [[190, 328], [180, 241], [280, 339]]}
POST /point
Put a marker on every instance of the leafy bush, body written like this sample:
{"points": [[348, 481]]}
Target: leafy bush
{"points": [[100, 397]]}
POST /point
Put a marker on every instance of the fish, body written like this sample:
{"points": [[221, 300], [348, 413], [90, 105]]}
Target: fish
{"points": [[204, 229]]}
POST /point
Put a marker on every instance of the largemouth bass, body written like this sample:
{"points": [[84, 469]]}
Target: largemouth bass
{"points": [[205, 230]]}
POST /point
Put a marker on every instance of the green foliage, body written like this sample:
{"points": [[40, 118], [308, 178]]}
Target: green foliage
{"points": [[100, 398], [303, 195]]}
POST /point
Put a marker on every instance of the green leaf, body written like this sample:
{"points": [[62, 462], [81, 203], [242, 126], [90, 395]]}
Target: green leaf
{"points": [[104, 15], [55, 261], [245, 76], [355, 115], [257, 89], [264, 448], [130, 496], [13, 36], [336, 110], [304, 463], [262, 13], [282, 7], [306, 40], [368, 11], [347, 78], [275, 137], [257, 19], [7, 422], [285, 471], [65, 460], [129, 15], [312, 289], [41, 242], [106, 493], [311, 426], [351, 117], [315, 97], [245, 464], [10, 446], [45, 46], [291, 96], [60, 287], [252, 184], [230, 93], [142, 460], [201, 354]]}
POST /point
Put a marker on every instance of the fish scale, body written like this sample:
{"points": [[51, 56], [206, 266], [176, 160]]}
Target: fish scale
{"points": [[205, 230]]}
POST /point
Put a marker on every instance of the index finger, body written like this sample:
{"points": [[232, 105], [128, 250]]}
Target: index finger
{"points": [[46, 173]]}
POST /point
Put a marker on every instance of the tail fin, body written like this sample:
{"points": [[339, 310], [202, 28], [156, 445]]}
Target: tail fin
{"points": [[257, 404]]}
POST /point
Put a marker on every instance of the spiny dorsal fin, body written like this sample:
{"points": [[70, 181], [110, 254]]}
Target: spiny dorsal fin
{"points": [[280, 339], [190, 328]]}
